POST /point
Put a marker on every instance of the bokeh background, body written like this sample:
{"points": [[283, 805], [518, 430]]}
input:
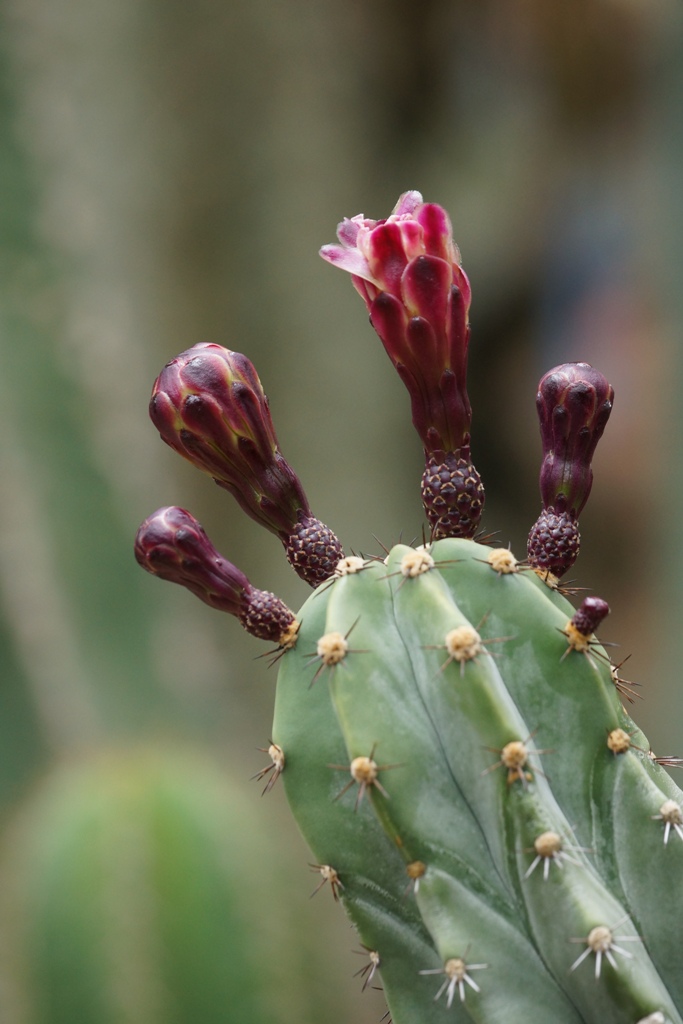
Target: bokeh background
{"points": [[168, 172]]}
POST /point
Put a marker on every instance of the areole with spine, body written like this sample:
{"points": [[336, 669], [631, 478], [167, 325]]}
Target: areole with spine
{"points": [[450, 732]]}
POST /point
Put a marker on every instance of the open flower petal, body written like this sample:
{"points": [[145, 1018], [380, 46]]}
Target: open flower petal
{"points": [[408, 203], [352, 260], [347, 231]]}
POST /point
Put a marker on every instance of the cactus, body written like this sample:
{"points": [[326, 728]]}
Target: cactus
{"points": [[137, 877], [451, 733]]}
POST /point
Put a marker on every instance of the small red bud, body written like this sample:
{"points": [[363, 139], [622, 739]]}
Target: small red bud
{"points": [[589, 615], [171, 544]]}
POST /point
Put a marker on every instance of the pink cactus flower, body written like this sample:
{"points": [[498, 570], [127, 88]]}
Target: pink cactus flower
{"points": [[407, 269], [377, 252]]}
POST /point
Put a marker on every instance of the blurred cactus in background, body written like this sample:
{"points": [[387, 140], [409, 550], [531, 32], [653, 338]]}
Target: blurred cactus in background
{"points": [[130, 866], [390, 669], [145, 889]]}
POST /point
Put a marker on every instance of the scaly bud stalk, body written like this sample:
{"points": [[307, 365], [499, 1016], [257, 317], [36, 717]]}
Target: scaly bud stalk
{"points": [[171, 544], [209, 406], [574, 402], [407, 270]]}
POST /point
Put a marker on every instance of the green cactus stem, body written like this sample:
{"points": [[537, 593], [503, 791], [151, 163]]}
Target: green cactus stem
{"points": [[514, 748]]}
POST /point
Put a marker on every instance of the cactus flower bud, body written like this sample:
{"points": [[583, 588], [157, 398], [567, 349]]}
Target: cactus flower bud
{"points": [[408, 271], [574, 402], [588, 616], [209, 406], [171, 544]]}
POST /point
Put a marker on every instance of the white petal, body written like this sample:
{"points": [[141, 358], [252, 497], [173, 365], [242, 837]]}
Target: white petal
{"points": [[407, 204]]}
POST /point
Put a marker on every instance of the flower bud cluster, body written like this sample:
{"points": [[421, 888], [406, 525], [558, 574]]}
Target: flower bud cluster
{"points": [[209, 406]]}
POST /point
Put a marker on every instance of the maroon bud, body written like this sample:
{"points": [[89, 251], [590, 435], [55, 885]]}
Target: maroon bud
{"points": [[426, 337], [171, 544], [574, 402], [588, 616], [209, 406]]}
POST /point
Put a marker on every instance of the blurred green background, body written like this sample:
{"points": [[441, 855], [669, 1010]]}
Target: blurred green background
{"points": [[168, 172]]}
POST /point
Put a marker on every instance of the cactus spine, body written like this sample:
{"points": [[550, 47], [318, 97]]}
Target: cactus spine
{"points": [[451, 732]]}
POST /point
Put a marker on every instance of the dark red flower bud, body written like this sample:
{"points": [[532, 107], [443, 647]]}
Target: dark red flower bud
{"points": [[171, 544], [588, 616], [408, 271], [209, 406], [574, 402]]}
